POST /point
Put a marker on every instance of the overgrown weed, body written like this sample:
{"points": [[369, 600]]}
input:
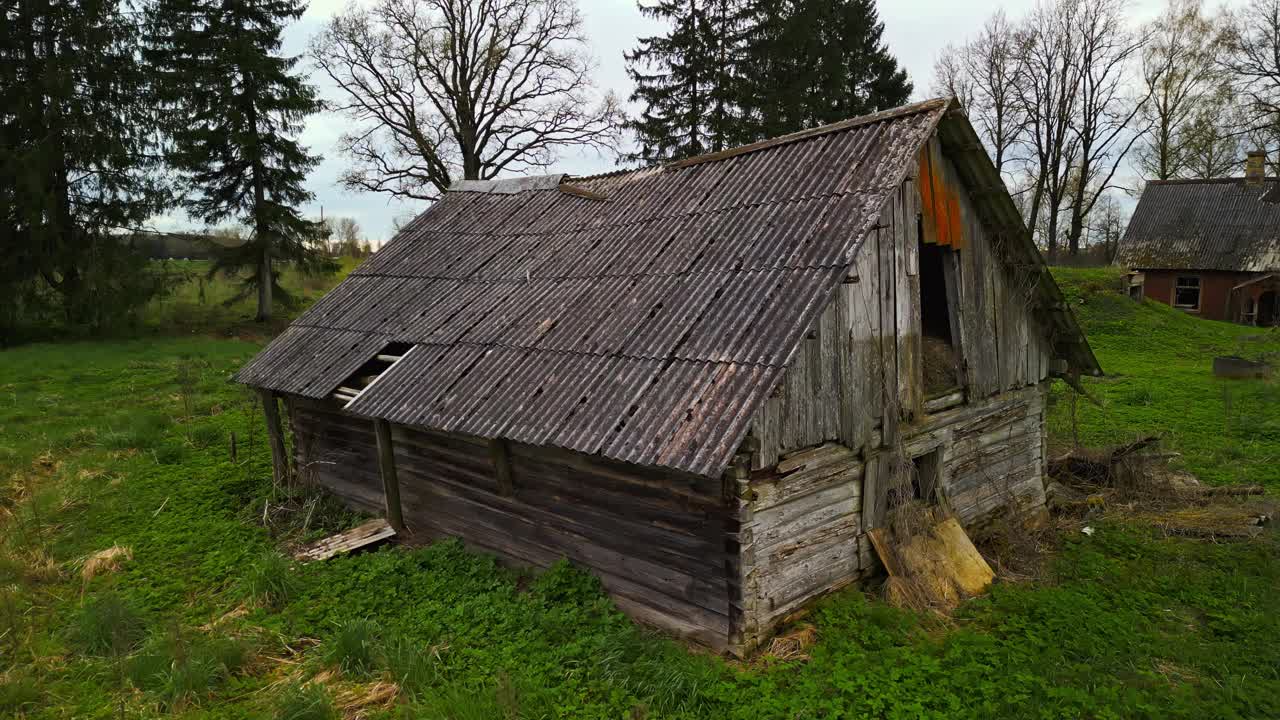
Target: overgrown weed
{"points": [[271, 580], [305, 701], [107, 624]]}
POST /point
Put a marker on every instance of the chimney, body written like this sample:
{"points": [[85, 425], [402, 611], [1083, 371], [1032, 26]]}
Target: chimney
{"points": [[1255, 167]]}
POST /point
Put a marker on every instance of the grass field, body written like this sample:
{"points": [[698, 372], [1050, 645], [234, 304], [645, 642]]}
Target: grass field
{"points": [[125, 444], [201, 304]]}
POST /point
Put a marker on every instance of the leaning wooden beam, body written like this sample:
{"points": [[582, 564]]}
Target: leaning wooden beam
{"points": [[387, 467], [275, 436]]}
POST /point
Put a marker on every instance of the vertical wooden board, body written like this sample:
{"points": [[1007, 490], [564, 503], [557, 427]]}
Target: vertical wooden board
{"points": [[390, 480], [873, 490], [861, 374], [991, 266], [830, 352], [907, 302], [886, 293], [1004, 312], [847, 363]]}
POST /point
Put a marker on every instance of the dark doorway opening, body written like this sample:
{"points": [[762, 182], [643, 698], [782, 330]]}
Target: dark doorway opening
{"points": [[1268, 312], [940, 356]]}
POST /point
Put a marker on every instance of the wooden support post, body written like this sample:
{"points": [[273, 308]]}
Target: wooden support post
{"points": [[500, 454], [871, 492], [275, 436], [387, 467]]}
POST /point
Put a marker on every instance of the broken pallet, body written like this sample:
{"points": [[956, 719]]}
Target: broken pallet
{"points": [[361, 536]]}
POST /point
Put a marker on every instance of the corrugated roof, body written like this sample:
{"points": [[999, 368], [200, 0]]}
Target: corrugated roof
{"points": [[1221, 224], [645, 327]]}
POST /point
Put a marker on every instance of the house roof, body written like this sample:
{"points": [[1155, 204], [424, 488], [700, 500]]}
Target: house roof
{"points": [[1218, 224], [641, 315]]}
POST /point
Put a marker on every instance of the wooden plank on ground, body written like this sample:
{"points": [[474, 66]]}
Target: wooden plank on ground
{"points": [[938, 566], [361, 536]]}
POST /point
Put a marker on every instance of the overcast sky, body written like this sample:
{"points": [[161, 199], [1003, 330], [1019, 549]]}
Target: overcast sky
{"points": [[915, 31]]}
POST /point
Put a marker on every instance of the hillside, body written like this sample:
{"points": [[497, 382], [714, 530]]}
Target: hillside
{"points": [[141, 573], [1159, 380]]}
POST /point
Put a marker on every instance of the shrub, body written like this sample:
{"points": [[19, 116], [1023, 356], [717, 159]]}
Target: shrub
{"points": [[270, 580], [305, 702], [354, 648], [108, 625]]}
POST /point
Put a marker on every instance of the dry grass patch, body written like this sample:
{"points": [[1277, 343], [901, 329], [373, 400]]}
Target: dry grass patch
{"points": [[795, 644], [105, 561]]}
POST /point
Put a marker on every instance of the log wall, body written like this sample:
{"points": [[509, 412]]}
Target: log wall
{"points": [[655, 538], [803, 529]]}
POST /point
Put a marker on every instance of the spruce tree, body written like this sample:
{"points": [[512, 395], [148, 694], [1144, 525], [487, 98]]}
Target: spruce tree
{"points": [[815, 62], [686, 79], [235, 107], [76, 155]]}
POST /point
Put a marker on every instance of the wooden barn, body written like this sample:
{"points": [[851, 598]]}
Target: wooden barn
{"points": [[1210, 248], [700, 381]]}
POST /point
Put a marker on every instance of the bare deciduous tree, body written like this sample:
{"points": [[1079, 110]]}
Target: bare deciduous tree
{"points": [[1047, 89], [1251, 58], [981, 74], [1180, 74], [440, 90], [951, 76], [1106, 113], [1209, 145], [1106, 224]]}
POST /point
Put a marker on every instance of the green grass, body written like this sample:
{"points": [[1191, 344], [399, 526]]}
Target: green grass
{"points": [[203, 305], [125, 442], [1159, 380]]}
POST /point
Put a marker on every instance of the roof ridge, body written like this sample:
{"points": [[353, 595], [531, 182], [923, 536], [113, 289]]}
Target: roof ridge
{"points": [[859, 121], [894, 113], [1209, 181]]}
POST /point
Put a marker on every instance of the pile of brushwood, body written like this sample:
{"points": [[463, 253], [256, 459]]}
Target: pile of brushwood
{"points": [[1136, 482]]}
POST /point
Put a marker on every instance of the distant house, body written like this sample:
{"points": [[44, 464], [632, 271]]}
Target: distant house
{"points": [[701, 381], [1208, 247]]}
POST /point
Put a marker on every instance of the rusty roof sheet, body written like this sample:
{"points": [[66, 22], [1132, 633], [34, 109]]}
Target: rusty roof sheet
{"points": [[645, 327], [1221, 224]]}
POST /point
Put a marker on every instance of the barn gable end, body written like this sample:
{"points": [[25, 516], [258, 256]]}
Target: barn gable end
{"points": [[852, 414]]}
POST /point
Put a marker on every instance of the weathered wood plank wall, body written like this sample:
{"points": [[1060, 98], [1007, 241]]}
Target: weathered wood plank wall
{"points": [[801, 536], [834, 390], [803, 528], [655, 538], [820, 473]]}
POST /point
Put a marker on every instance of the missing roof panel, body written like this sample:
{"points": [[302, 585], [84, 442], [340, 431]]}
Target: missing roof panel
{"points": [[368, 373]]}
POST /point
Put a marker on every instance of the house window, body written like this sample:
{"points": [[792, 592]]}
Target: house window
{"points": [[1186, 292]]}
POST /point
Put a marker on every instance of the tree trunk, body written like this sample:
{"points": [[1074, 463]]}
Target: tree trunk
{"points": [[261, 229], [264, 281], [1053, 231]]}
